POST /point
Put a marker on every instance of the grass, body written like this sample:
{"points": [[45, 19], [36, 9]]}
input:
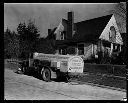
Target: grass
{"points": [[102, 80]]}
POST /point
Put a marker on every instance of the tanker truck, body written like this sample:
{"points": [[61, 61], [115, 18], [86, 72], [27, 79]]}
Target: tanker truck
{"points": [[49, 66]]}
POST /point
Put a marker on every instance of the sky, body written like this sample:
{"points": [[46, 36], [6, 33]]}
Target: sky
{"points": [[48, 16]]}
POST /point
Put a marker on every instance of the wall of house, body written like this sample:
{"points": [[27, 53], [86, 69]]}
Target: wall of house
{"points": [[112, 34], [89, 50], [95, 49], [106, 32]]}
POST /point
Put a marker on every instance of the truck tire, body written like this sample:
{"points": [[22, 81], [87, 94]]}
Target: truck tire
{"points": [[46, 74]]}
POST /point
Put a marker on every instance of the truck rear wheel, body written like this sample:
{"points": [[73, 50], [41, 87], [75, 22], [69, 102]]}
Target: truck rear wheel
{"points": [[46, 75]]}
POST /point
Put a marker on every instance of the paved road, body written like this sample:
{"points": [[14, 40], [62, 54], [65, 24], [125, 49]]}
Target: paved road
{"points": [[23, 87]]}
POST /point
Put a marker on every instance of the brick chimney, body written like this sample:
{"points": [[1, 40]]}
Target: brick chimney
{"points": [[70, 26]]}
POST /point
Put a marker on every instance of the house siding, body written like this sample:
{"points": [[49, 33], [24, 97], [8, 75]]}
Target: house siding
{"points": [[88, 51]]}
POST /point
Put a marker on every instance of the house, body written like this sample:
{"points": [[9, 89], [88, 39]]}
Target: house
{"points": [[88, 38]]}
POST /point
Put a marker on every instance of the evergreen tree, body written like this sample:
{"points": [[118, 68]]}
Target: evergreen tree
{"points": [[28, 36], [120, 14], [11, 44]]}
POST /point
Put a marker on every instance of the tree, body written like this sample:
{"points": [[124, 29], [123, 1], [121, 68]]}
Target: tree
{"points": [[45, 46], [28, 36], [7, 34], [120, 14], [11, 44]]}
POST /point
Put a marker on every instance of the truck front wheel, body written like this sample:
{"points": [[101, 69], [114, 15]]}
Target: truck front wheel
{"points": [[46, 75], [24, 70]]}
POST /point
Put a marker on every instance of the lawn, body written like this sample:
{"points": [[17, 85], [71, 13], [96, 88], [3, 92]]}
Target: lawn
{"points": [[103, 79]]}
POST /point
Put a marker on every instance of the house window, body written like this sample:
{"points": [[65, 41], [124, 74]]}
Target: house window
{"points": [[112, 34], [62, 51], [71, 50], [80, 49], [62, 36], [116, 48]]}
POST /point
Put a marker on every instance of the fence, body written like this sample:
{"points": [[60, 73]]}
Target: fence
{"points": [[12, 60], [116, 70]]}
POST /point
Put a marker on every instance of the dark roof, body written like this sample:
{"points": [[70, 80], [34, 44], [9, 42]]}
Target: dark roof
{"points": [[86, 31], [53, 30], [90, 30]]}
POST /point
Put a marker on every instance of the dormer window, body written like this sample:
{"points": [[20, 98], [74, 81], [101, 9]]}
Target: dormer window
{"points": [[116, 48], [62, 35]]}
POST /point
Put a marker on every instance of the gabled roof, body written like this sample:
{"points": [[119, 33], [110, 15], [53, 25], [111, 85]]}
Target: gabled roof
{"points": [[90, 30]]}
